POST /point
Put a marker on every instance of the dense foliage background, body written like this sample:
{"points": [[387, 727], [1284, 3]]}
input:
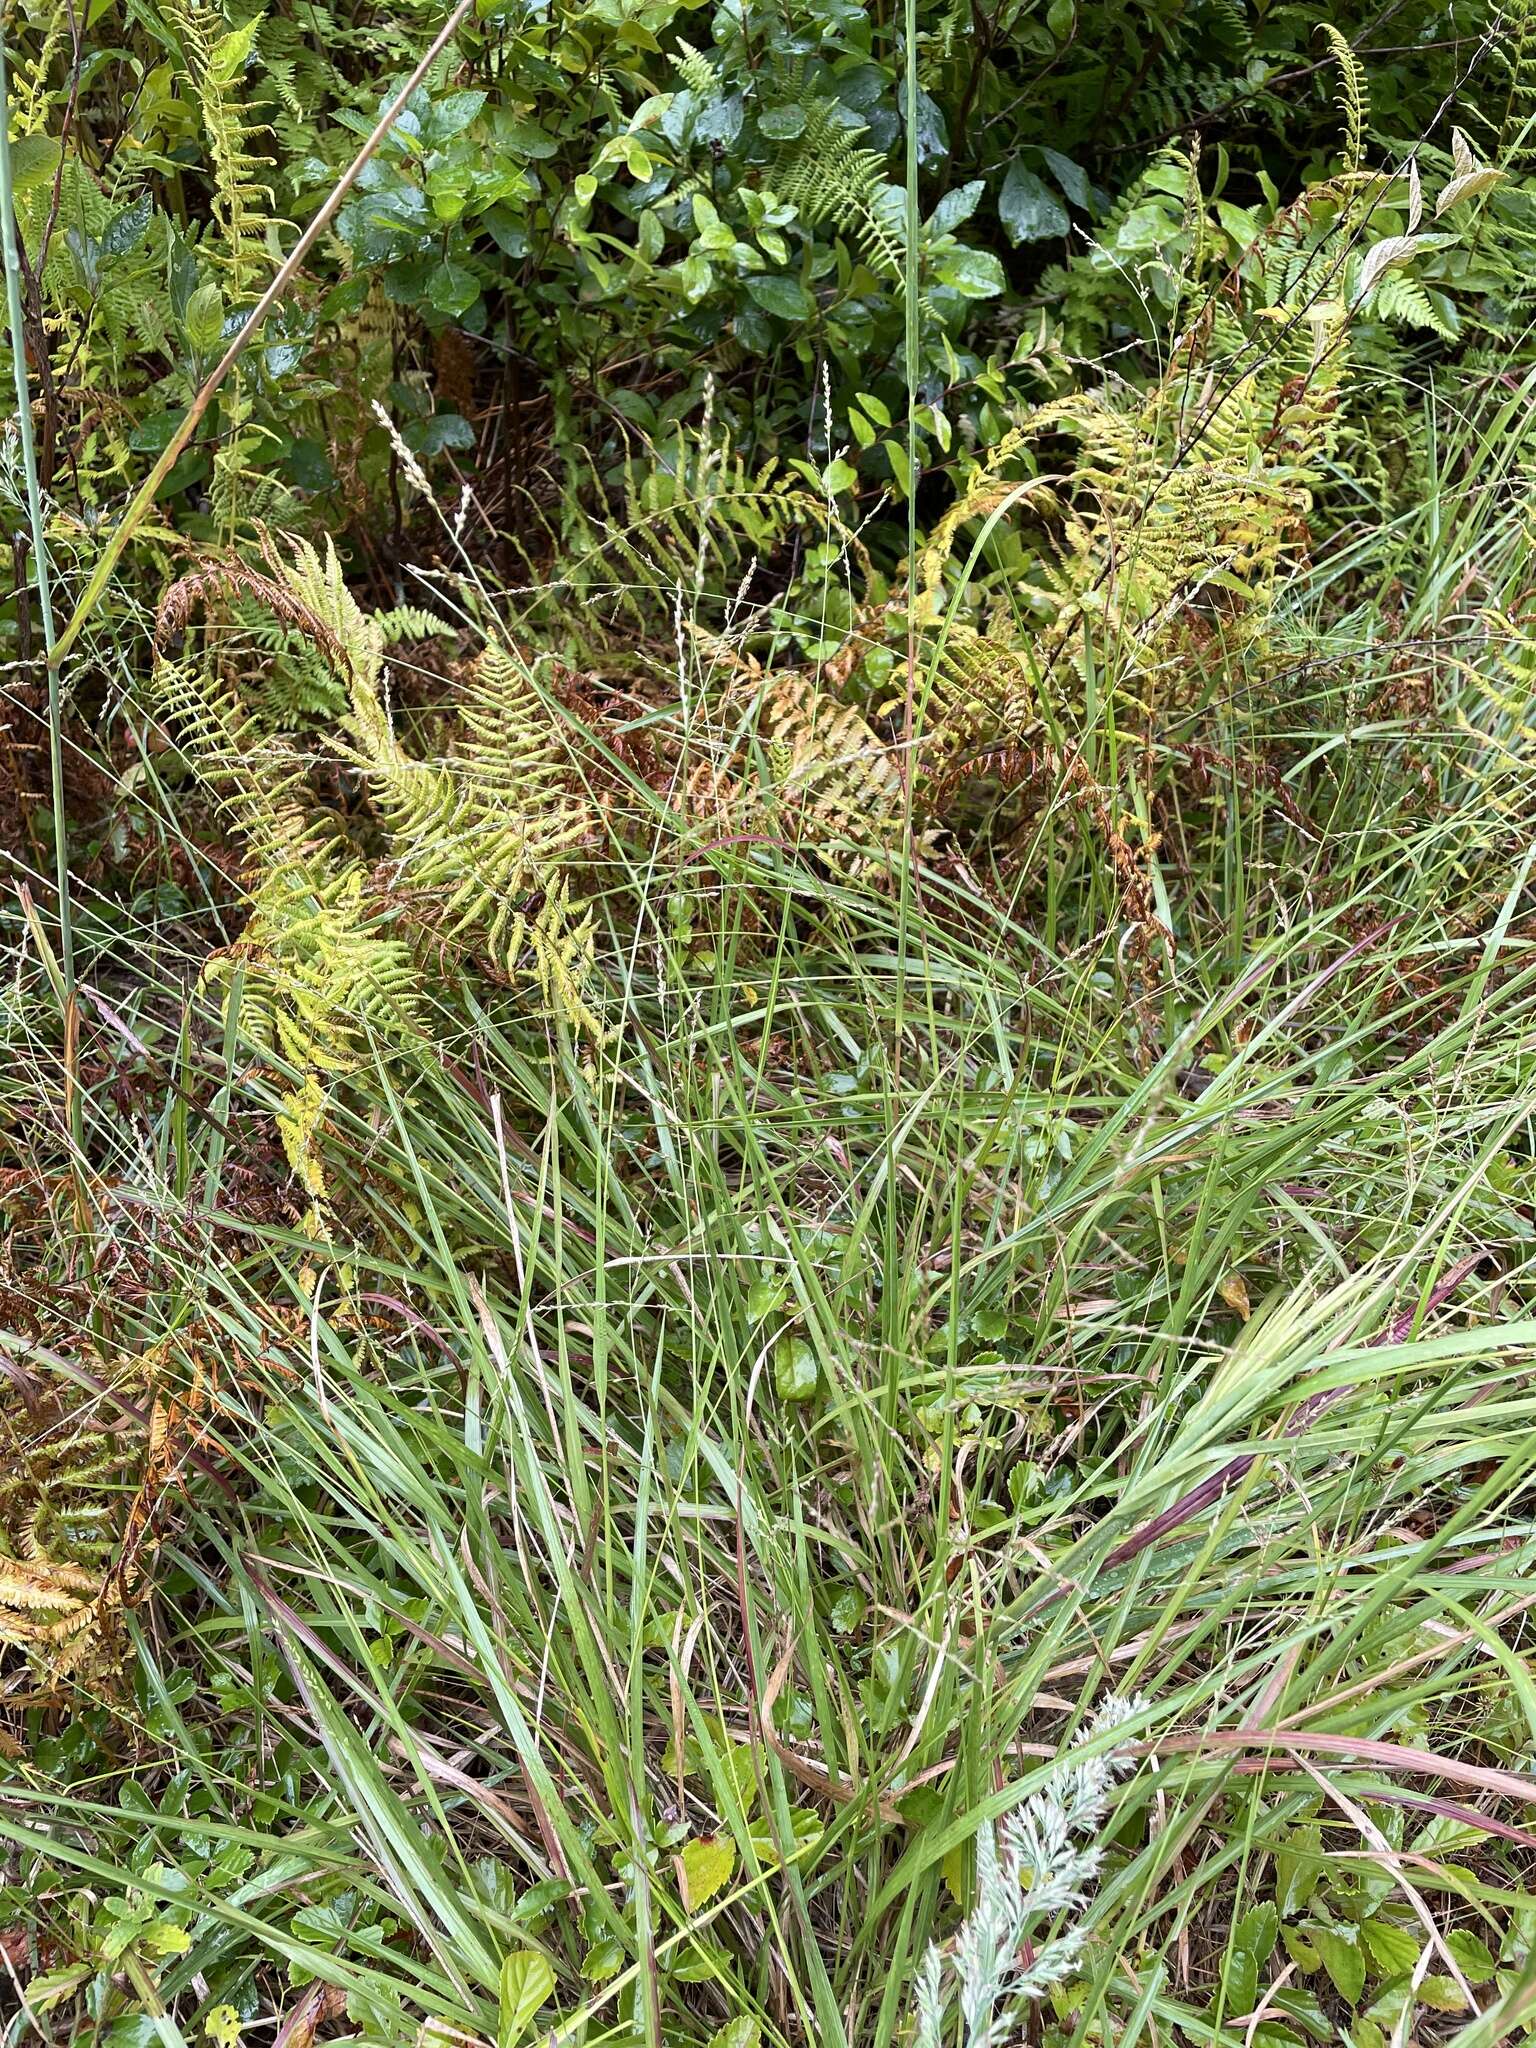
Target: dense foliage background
{"points": [[588, 215]]}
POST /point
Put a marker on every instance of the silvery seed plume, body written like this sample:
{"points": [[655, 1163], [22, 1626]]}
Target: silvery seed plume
{"points": [[1030, 1872]]}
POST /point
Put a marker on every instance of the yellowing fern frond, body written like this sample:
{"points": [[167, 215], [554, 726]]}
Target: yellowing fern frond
{"points": [[216, 59]]}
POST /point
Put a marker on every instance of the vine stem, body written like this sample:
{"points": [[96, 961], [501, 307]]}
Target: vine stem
{"points": [[10, 235], [145, 495]]}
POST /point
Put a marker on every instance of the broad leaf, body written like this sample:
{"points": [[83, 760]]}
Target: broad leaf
{"points": [[526, 1981], [1341, 1958], [1028, 209], [782, 296], [707, 1862]]}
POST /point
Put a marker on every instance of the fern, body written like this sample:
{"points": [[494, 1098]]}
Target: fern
{"points": [[78, 1509], [1403, 302], [478, 843], [32, 99], [243, 250], [698, 74], [1170, 530], [476, 833], [699, 520], [827, 175], [1232, 19], [1354, 98], [322, 973], [412, 622], [828, 772], [242, 204]]}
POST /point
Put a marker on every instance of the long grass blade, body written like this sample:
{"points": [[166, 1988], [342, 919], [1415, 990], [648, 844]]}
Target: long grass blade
{"points": [[10, 232]]}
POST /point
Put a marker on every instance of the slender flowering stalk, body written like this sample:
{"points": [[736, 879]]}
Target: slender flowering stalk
{"points": [[403, 450], [1033, 1870]]}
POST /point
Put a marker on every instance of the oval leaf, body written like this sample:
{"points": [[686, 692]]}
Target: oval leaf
{"points": [[707, 1862], [1028, 209], [795, 1371], [526, 1981]]}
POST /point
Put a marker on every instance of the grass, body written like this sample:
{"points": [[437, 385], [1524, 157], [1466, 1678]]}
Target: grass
{"points": [[719, 1475], [602, 1585]]}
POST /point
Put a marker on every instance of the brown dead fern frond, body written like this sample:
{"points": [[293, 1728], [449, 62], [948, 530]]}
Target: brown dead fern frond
{"points": [[88, 1479], [229, 577]]}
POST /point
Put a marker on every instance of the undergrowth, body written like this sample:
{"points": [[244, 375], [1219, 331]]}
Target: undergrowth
{"points": [[774, 1288]]}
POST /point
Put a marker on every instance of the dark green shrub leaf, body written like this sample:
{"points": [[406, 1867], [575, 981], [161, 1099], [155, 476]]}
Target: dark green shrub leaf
{"points": [[974, 273], [956, 207], [126, 229], [782, 296], [784, 123], [449, 116], [442, 430], [452, 289], [1071, 177], [1028, 209]]}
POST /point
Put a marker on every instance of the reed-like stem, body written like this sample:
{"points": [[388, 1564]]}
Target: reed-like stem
{"points": [[10, 237], [913, 334]]}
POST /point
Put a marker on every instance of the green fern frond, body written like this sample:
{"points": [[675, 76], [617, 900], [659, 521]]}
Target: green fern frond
{"points": [[412, 622], [242, 204], [1354, 96], [696, 71], [698, 519], [1403, 302], [323, 973], [481, 838], [829, 177], [32, 98]]}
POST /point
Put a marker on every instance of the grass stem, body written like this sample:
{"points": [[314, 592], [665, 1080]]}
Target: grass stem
{"points": [[42, 576]]}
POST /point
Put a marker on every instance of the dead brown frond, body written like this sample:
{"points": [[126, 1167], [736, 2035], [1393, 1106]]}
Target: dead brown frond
{"points": [[91, 1460], [229, 577]]}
